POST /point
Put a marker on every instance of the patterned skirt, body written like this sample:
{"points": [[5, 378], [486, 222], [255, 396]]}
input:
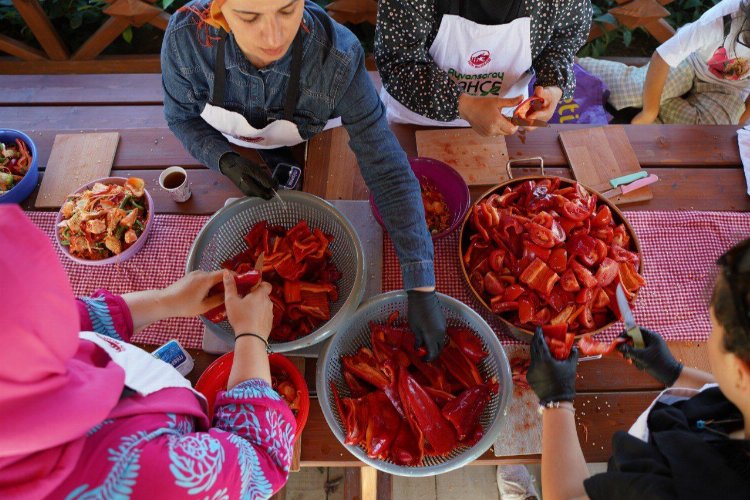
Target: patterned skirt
{"points": [[685, 99]]}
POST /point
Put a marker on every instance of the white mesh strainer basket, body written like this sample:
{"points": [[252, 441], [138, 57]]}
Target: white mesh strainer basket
{"points": [[355, 333], [221, 239]]}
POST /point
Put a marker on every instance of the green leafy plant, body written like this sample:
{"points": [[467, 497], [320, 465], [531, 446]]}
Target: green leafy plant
{"points": [[625, 42]]}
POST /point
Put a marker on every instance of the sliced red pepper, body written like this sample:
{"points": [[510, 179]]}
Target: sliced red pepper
{"points": [[356, 388], [532, 251], [512, 293], [538, 276], [478, 224], [630, 278], [382, 420], [584, 247], [558, 340], [424, 416], [468, 342], [558, 299], [466, 409], [601, 300], [621, 237], [525, 310], [568, 281], [498, 306], [563, 316], [575, 211], [458, 365], [584, 276], [541, 235], [558, 260], [590, 347], [257, 237], [492, 285], [406, 449], [603, 217], [621, 255], [607, 272], [496, 259], [604, 233], [364, 366], [303, 248]]}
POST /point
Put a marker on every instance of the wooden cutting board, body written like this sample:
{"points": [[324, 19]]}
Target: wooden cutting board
{"points": [[75, 160], [479, 160], [599, 154]]}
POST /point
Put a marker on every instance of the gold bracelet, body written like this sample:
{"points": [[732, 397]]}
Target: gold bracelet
{"points": [[560, 405]]}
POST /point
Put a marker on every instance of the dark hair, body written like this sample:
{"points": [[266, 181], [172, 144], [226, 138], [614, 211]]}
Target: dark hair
{"points": [[730, 299]]}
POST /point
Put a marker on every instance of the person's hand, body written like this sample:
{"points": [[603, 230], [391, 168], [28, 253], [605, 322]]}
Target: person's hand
{"points": [[484, 114], [544, 112], [552, 380], [251, 178], [655, 358], [188, 296], [427, 321], [252, 313], [644, 118]]}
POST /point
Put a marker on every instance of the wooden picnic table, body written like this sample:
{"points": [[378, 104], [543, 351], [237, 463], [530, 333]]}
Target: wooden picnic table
{"points": [[699, 168]]}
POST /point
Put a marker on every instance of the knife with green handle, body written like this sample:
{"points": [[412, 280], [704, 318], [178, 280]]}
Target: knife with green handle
{"points": [[627, 316]]}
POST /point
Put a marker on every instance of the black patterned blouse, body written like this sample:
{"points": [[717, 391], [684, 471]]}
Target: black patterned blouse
{"points": [[406, 29]]}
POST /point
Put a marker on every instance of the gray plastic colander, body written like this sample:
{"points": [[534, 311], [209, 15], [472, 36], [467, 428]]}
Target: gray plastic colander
{"points": [[355, 333], [221, 239]]}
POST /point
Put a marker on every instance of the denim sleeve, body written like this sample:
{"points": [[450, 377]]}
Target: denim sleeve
{"points": [[386, 172], [554, 64], [182, 109], [404, 62]]}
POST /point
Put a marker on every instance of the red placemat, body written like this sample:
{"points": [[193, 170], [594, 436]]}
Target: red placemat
{"points": [[679, 252], [160, 262]]}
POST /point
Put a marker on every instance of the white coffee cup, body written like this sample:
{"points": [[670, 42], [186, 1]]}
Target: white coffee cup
{"points": [[174, 181]]}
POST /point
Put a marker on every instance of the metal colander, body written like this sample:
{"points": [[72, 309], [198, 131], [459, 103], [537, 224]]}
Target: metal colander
{"points": [[355, 333], [221, 239]]}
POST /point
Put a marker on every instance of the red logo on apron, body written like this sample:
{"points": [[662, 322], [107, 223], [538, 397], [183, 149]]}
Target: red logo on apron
{"points": [[480, 58], [253, 140]]}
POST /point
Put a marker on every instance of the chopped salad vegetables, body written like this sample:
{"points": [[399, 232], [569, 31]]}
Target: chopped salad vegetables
{"points": [[105, 220], [15, 160]]}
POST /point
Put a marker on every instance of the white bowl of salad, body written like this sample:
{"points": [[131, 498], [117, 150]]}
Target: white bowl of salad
{"points": [[106, 221]]}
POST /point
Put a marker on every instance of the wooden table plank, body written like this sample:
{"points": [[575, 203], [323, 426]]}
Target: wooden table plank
{"points": [[82, 118], [679, 189], [61, 90], [210, 190], [705, 145], [142, 148]]}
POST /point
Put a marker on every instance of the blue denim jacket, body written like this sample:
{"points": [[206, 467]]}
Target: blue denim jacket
{"points": [[333, 83]]}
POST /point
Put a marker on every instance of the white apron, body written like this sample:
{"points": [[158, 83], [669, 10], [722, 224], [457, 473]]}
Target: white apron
{"points": [[667, 396], [483, 60], [144, 373], [237, 129]]}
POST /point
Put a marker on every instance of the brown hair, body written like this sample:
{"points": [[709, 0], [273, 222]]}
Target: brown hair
{"points": [[727, 313]]}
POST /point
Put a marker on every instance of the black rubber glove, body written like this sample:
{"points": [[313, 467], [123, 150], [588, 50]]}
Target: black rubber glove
{"points": [[654, 358], [552, 380], [427, 321], [251, 178]]}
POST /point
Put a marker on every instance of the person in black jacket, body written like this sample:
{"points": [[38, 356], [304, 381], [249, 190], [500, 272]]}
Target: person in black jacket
{"points": [[693, 442]]}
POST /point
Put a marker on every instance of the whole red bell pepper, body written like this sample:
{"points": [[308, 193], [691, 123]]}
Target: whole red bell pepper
{"points": [[245, 282]]}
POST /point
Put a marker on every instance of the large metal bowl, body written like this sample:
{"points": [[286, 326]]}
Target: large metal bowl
{"points": [[355, 333], [221, 238], [466, 231]]}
